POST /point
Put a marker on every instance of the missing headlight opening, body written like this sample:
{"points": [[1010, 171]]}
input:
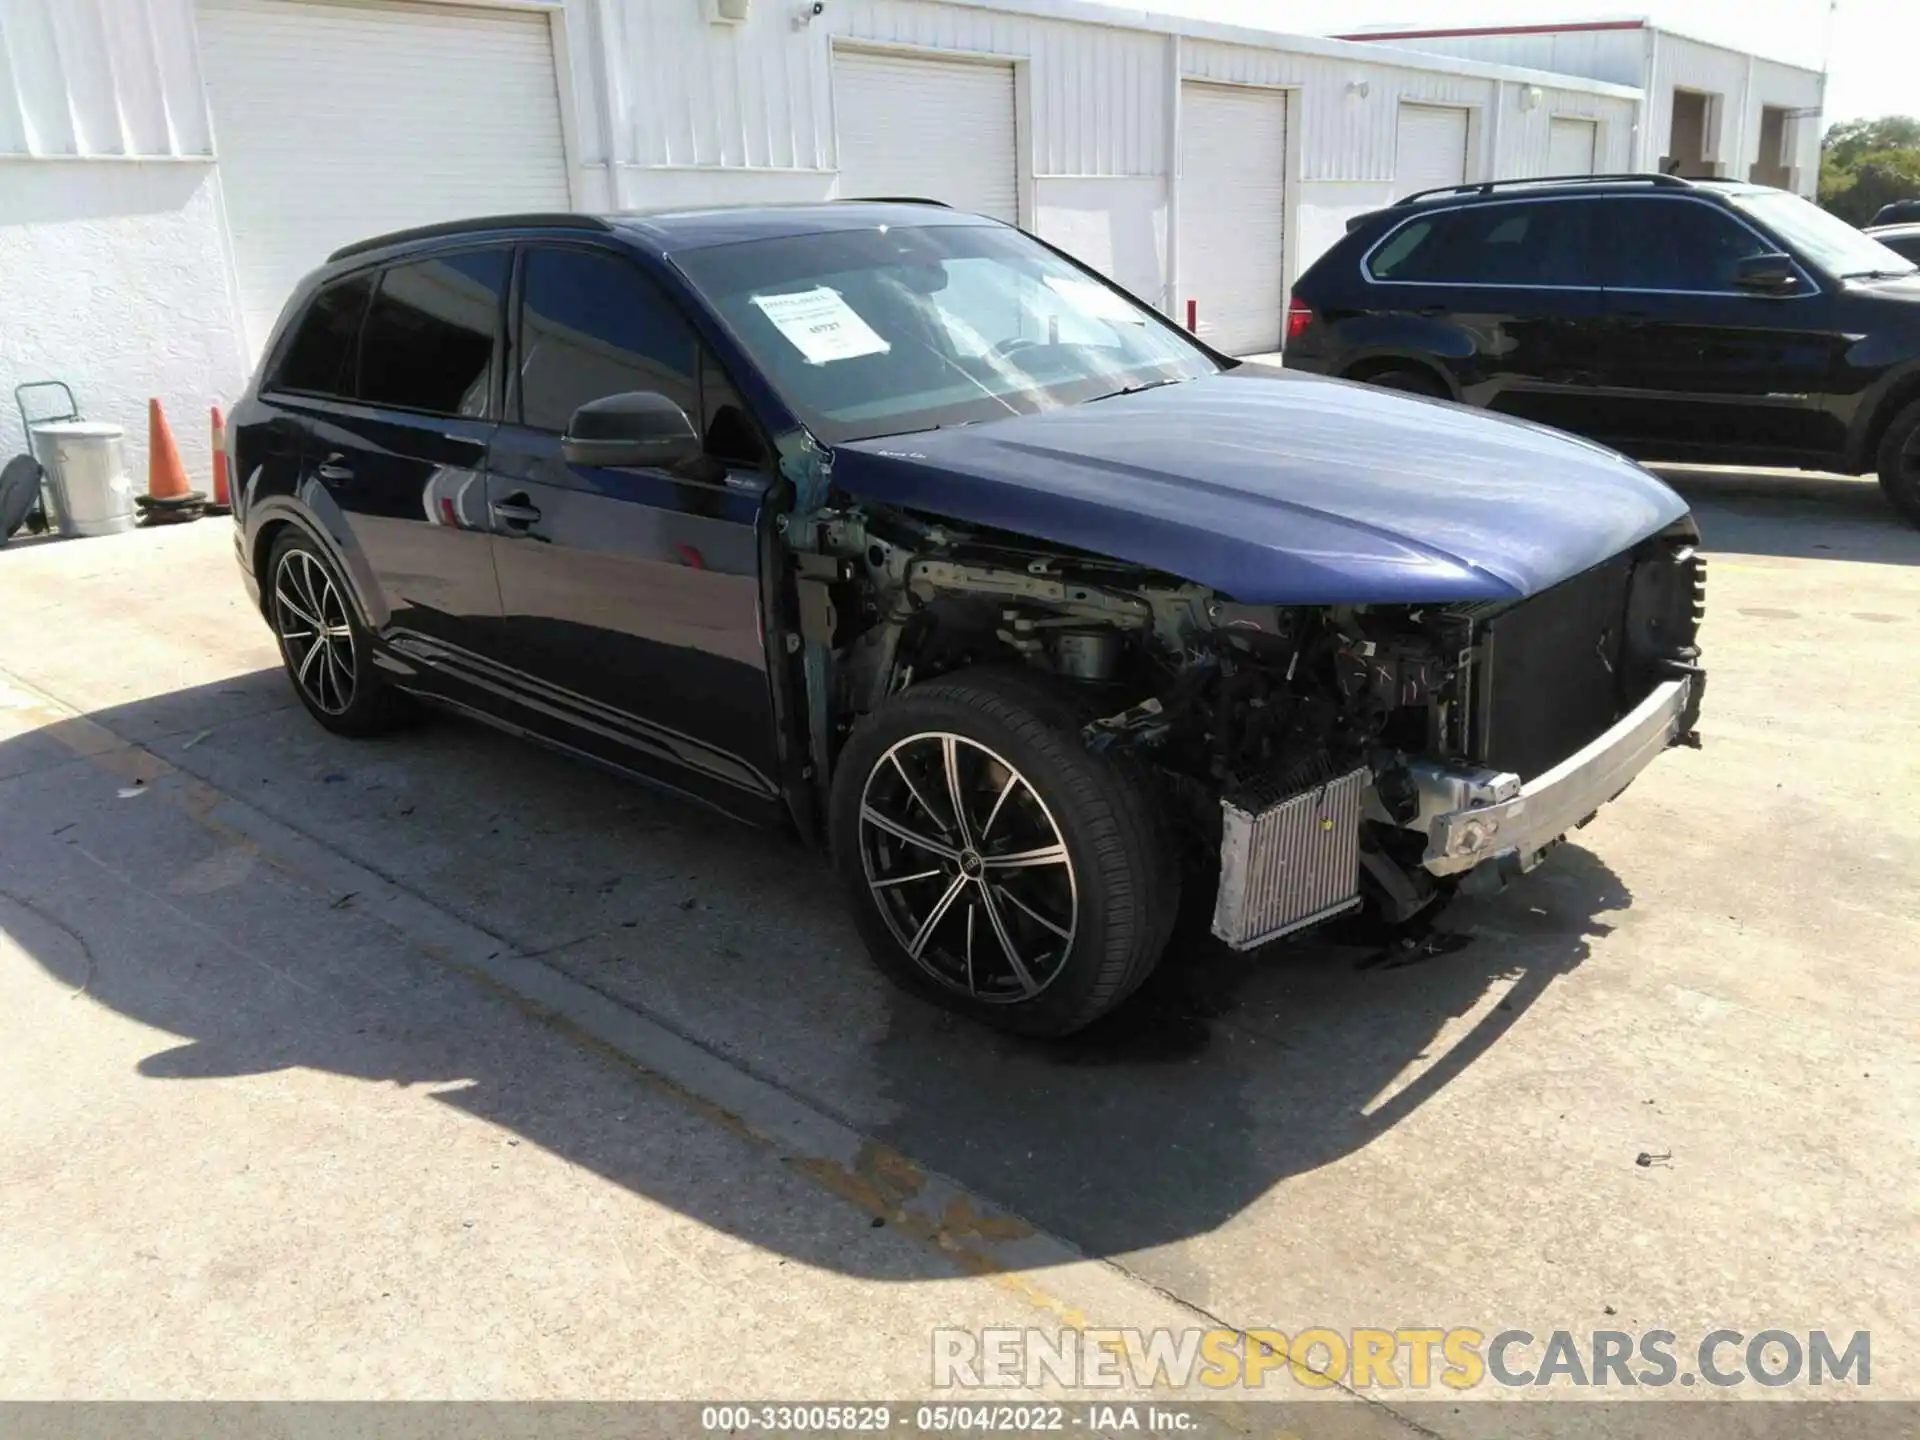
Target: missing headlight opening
{"points": [[1309, 758]]}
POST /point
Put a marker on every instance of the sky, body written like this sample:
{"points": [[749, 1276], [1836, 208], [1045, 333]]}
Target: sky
{"points": [[1873, 46]]}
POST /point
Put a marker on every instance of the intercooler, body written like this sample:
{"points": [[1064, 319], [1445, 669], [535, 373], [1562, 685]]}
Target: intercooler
{"points": [[1290, 861]]}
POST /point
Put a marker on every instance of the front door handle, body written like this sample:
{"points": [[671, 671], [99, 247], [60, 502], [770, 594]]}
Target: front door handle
{"points": [[515, 511], [331, 469]]}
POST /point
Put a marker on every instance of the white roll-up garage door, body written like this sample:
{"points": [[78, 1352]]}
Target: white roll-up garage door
{"points": [[932, 129], [1233, 215], [1432, 148], [335, 122], [1570, 146]]}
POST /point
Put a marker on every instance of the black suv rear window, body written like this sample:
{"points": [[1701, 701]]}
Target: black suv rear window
{"points": [[317, 359], [1525, 244], [429, 338]]}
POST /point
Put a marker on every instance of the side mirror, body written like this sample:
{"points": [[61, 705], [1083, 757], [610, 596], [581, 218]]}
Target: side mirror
{"points": [[1767, 274], [641, 428]]}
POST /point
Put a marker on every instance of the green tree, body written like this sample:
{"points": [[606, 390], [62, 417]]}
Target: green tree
{"points": [[1848, 142], [1869, 163]]}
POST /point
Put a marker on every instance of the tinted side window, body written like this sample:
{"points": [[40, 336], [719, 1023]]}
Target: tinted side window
{"points": [[1407, 254], [1676, 245], [1543, 244], [318, 356], [429, 338], [591, 325]]}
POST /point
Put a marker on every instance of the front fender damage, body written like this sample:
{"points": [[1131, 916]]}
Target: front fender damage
{"points": [[1293, 749]]}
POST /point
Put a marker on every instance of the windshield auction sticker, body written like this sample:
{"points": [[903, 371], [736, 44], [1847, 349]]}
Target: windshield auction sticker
{"points": [[821, 325]]}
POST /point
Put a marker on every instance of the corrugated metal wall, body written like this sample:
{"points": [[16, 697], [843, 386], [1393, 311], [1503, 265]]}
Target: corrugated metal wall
{"points": [[1687, 65], [1744, 85], [1785, 87], [1348, 136], [1097, 95], [1618, 56], [121, 78], [1525, 126], [758, 95], [1351, 137], [691, 93], [1664, 61], [101, 78]]}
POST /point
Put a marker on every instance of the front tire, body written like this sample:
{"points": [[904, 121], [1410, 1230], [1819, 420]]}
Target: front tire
{"points": [[1899, 462], [994, 864], [327, 651]]}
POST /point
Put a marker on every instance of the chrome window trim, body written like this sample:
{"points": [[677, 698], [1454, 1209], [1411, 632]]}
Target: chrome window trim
{"points": [[1814, 288]]}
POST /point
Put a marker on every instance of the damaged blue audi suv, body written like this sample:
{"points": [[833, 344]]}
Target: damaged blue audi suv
{"points": [[901, 529]]}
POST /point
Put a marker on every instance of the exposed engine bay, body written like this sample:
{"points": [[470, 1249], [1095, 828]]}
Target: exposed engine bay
{"points": [[1312, 758]]}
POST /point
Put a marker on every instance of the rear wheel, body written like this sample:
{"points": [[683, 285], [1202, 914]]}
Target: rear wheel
{"points": [[1900, 462], [1411, 381], [327, 651], [995, 865]]}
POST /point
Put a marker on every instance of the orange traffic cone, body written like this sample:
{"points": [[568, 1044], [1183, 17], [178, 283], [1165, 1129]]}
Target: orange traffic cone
{"points": [[169, 498], [166, 476], [222, 503]]}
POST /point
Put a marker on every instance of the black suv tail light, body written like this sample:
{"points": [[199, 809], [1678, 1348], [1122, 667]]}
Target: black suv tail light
{"points": [[1299, 317]]}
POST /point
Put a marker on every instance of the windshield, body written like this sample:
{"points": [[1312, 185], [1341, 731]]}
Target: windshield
{"points": [[889, 330], [1825, 240]]}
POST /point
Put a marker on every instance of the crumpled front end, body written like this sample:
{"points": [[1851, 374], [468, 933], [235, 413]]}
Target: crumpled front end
{"points": [[1305, 758], [1556, 705]]}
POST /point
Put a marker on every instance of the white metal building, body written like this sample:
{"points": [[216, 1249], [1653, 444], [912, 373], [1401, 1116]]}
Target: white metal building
{"points": [[1711, 111], [169, 168]]}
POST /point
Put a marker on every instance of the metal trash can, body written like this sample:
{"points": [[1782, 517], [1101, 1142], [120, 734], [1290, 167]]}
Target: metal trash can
{"points": [[86, 467]]}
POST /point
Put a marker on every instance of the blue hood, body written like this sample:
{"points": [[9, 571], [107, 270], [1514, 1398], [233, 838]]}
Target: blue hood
{"points": [[1280, 488]]}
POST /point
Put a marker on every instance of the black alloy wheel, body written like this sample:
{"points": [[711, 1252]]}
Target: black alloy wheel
{"points": [[996, 865], [328, 652], [968, 868]]}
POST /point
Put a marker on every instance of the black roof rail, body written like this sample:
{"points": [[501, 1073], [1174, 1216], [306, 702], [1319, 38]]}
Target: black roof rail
{"points": [[891, 200], [1487, 187], [478, 226]]}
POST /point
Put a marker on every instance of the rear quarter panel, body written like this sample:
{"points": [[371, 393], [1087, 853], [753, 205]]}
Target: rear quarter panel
{"points": [[1358, 325], [271, 442]]}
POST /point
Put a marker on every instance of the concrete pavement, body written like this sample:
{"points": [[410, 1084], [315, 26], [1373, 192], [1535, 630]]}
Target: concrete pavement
{"points": [[259, 1137]]}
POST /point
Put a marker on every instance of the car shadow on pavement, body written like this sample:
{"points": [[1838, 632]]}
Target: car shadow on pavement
{"points": [[1221, 1079], [1229, 1073], [1795, 514]]}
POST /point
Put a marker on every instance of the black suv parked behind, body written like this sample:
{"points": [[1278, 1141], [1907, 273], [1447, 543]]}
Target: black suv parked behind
{"points": [[1672, 319], [1901, 239]]}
